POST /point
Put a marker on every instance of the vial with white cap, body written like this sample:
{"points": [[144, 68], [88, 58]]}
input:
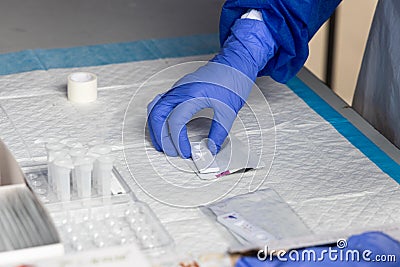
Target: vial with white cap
{"points": [[54, 150], [102, 173], [96, 151], [75, 154], [55, 155], [71, 142], [83, 176], [51, 147], [62, 178]]}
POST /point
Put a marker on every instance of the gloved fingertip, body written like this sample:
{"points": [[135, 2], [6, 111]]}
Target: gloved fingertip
{"points": [[156, 147], [218, 133], [153, 138], [185, 150], [155, 144], [179, 138], [213, 147], [186, 156], [171, 153], [167, 145], [152, 103]]}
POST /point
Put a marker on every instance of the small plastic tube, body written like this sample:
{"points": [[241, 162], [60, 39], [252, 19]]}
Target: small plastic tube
{"points": [[82, 174], [102, 174], [55, 155], [54, 151], [76, 153], [62, 178], [96, 151], [50, 147]]}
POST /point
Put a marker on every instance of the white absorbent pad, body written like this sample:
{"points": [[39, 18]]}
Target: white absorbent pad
{"points": [[331, 186]]}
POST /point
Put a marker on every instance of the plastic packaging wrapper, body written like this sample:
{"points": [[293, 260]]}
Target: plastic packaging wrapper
{"points": [[264, 209]]}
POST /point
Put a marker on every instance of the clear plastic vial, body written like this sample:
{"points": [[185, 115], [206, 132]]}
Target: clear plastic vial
{"points": [[82, 176], [53, 150], [62, 178], [102, 174]]}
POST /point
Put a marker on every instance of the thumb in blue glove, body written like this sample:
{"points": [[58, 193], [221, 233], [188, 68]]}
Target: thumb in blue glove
{"points": [[223, 84]]}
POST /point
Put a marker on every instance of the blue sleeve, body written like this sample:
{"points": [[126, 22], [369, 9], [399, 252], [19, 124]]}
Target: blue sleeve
{"points": [[292, 24]]}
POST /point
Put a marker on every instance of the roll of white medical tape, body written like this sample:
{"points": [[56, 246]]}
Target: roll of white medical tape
{"points": [[82, 87]]}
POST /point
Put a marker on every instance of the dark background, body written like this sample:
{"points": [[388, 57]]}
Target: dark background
{"points": [[26, 24]]}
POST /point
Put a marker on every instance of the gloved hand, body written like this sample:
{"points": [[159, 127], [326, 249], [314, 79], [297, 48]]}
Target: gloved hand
{"points": [[223, 84], [371, 249]]}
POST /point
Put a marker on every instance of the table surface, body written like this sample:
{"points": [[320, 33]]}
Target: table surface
{"points": [[318, 169]]}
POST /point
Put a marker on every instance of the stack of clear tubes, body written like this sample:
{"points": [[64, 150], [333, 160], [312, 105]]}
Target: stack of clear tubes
{"points": [[74, 168], [89, 202]]}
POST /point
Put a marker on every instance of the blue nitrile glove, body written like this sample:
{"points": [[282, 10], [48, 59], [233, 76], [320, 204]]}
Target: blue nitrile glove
{"points": [[365, 250], [223, 84]]}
